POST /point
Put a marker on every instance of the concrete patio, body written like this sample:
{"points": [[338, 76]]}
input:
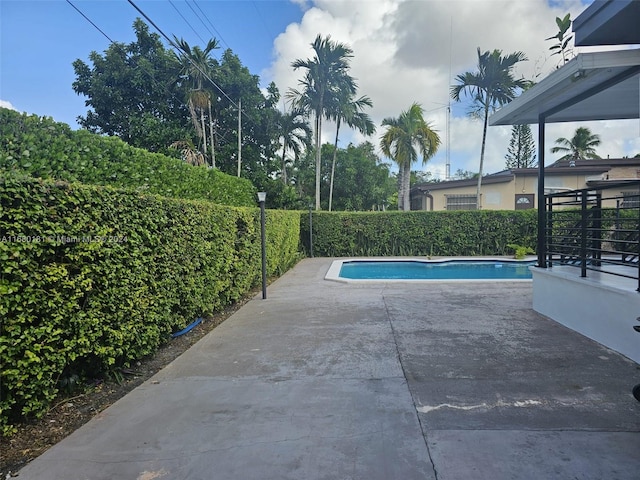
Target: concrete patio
{"points": [[325, 380]]}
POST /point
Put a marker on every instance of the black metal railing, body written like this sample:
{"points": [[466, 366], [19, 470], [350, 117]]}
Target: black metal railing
{"points": [[595, 229]]}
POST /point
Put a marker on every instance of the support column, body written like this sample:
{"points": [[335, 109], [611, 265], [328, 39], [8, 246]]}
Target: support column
{"points": [[542, 223]]}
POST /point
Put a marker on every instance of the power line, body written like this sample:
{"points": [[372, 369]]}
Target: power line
{"points": [[219, 35], [264, 24], [123, 50], [171, 95], [89, 20], [203, 72], [187, 22], [173, 45], [177, 47]]}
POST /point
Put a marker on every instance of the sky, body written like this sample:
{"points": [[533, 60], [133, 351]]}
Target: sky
{"points": [[404, 51]]}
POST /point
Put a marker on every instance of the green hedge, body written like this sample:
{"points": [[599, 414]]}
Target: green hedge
{"points": [[92, 278], [487, 232], [47, 149]]}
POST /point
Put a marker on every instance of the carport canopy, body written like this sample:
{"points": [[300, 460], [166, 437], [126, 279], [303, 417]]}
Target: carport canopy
{"points": [[591, 86]]}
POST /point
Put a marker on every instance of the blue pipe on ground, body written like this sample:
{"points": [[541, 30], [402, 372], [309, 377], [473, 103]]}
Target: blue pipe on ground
{"points": [[187, 328]]}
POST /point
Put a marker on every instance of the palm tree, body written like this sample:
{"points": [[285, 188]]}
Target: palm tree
{"points": [[350, 111], [295, 133], [188, 153], [398, 143], [196, 68], [581, 146], [324, 74], [491, 86]]}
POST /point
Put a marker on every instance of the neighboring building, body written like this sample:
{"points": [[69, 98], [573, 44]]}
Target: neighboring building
{"points": [[516, 189]]}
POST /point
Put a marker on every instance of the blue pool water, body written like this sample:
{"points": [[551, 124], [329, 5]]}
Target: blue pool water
{"points": [[416, 270]]}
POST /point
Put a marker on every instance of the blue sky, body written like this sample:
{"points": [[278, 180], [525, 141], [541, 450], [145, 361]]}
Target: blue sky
{"points": [[405, 51], [41, 39]]}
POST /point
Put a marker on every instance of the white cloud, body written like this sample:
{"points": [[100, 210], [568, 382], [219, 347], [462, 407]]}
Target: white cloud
{"points": [[303, 4], [6, 104], [409, 51]]}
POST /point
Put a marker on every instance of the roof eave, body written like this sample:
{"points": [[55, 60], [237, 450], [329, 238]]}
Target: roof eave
{"points": [[562, 96]]}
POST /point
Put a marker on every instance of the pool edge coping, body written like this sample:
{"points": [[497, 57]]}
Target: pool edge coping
{"points": [[333, 273]]}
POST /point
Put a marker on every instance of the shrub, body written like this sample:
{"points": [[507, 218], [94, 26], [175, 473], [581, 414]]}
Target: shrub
{"points": [[487, 232], [92, 278], [47, 149]]}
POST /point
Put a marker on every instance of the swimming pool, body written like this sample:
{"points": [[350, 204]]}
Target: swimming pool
{"points": [[419, 269]]}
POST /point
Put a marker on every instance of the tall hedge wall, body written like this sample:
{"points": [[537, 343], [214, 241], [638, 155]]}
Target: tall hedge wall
{"points": [[47, 149], [486, 232], [92, 278]]}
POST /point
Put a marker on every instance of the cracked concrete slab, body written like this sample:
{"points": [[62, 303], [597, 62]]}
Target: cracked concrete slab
{"points": [[325, 380]]}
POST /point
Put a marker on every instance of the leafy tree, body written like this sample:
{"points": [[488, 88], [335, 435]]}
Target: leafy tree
{"points": [[420, 176], [132, 94], [349, 110], [464, 175], [259, 132], [521, 151], [362, 182], [403, 134], [326, 74], [492, 85], [302, 176], [197, 69], [562, 47], [579, 147]]}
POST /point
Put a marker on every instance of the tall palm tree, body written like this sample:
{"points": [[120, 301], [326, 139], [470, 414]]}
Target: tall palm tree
{"points": [[197, 67], [295, 133], [398, 142], [581, 146], [491, 86], [324, 74], [349, 110]]}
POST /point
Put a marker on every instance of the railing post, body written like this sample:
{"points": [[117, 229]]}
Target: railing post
{"points": [[638, 244], [578, 228], [616, 231], [583, 234], [596, 242]]}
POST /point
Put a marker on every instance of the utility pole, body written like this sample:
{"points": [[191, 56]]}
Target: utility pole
{"points": [[447, 173], [239, 135], [213, 152]]}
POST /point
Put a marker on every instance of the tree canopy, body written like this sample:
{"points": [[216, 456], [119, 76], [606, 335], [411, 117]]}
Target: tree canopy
{"points": [[408, 137], [581, 146], [492, 85], [522, 150], [326, 77], [207, 108], [132, 93]]}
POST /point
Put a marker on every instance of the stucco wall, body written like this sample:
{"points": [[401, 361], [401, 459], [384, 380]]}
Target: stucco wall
{"points": [[501, 196], [599, 311]]}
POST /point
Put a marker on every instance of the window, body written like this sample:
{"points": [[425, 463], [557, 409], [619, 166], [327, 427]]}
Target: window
{"points": [[461, 202], [524, 201], [630, 200]]}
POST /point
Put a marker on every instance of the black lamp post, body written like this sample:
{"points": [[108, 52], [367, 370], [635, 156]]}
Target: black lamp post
{"points": [[311, 229], [262, 197]]}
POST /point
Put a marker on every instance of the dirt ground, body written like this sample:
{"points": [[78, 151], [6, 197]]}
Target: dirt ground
{"points": [[71, 412]]}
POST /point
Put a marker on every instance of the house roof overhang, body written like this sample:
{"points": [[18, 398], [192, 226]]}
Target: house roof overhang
{"points": [[489, 179], [592, 86], [608, 22]]}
